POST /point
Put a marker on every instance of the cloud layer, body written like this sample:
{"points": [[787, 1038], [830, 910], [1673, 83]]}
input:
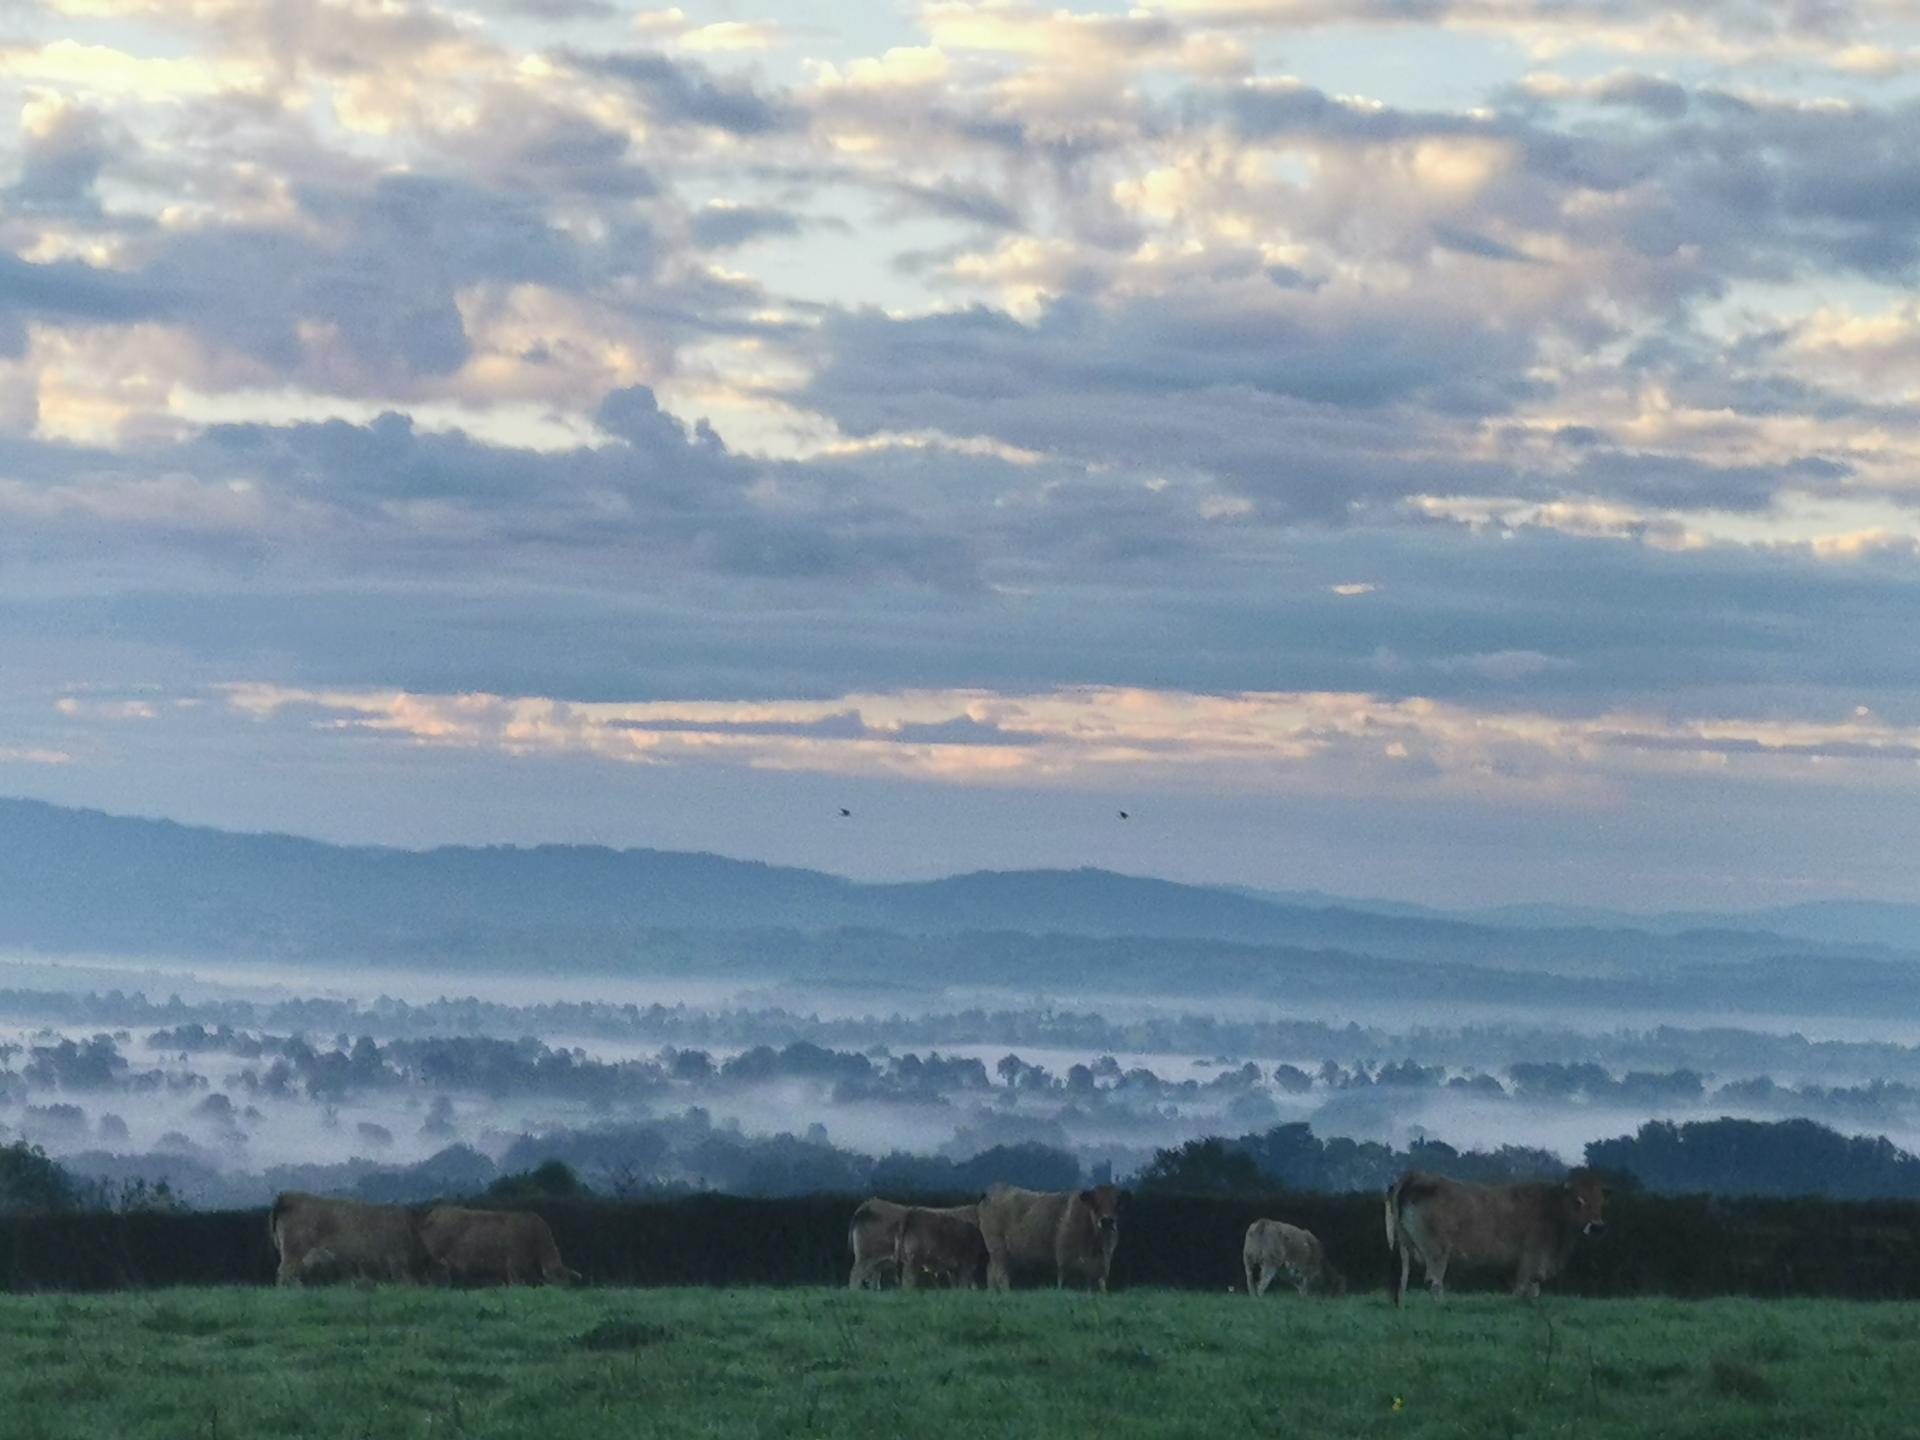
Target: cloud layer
{"points": [[982, 395]]}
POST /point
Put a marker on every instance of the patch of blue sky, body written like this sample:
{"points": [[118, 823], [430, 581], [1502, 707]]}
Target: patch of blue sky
{"points": [[1746, 305], [1410, 68], [867, 258]]}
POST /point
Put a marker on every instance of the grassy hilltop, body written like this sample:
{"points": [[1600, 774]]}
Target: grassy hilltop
{"points": [[559, 1365]]}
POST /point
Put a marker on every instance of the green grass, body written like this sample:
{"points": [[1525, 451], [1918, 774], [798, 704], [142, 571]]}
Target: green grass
{"points": [[557, 1365]]}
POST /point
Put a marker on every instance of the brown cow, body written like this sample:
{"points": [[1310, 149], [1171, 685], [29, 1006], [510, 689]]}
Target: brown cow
{"points": [[493, 1247], [1273, 1246], [1070, 1232], [1531, 1226], [874, 1237], [320, 1238], [942, 1245]]}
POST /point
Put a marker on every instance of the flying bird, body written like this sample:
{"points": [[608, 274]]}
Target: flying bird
{"points": [[845, 814], [1123, 815]]}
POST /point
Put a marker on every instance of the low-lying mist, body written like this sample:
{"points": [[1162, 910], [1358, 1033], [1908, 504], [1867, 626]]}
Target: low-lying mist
{"points": [[233, 1087]]}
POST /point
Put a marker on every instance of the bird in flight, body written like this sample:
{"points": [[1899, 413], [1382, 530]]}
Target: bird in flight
{"points": [[845, 814], [1123, 815]]}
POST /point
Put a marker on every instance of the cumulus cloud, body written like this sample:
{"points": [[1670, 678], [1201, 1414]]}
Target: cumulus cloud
{"points": [[683, 92]]}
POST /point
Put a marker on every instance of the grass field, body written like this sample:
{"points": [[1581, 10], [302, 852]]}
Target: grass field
{"points": [[557, 1365]]}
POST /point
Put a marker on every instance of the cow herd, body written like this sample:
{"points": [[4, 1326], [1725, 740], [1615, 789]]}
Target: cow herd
{"points": [[320, 1238], [1070, 1237], [1066, 1234], [1067, 1237]]}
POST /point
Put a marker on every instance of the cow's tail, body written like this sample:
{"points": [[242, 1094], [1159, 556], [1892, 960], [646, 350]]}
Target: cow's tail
{"points": [[274, 1212], [1393, 1213], [855, 1226]]}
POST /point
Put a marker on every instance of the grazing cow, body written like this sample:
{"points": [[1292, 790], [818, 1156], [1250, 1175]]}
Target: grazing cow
{"points": [[942, 1245], [1070, 1232], [320, 1238], [1531, 1226], [1273, 1246], [493, 1247]]}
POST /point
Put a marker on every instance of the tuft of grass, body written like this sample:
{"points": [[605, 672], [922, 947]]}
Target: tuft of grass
{"points": [[623, 1335], [166, 1320], [1130, 1357], [1739, 1379]]}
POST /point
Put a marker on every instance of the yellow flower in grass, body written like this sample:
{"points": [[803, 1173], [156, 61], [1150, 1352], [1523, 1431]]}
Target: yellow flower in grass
{"points": [[1399, 1404]]}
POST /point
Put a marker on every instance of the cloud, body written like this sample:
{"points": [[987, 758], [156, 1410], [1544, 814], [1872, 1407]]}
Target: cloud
{"points": [[1312, 742], [724, 226], [681, 92], [71, 290], [1723, 31]]}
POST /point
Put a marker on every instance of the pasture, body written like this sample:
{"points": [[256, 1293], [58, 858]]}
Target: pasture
{"points": [[364, 1365]]}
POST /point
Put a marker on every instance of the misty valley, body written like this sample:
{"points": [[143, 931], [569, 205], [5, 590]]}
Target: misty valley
{"points": [[234, 1015], [228, 1093]]}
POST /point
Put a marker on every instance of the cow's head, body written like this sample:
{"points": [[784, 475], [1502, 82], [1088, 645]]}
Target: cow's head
{"points": [[1586, 1200], [1103, 1207]]}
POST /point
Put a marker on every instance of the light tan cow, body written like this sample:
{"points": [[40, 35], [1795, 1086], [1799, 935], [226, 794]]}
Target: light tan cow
{"points": [[1274, 1247], [1070, 1232], [944, 1246], [873, 1235], [1531, 1226], [493, 1247], [321, 1238]]}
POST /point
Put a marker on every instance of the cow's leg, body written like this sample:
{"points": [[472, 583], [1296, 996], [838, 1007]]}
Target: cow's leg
{"points": [[1437, 1273], [1300, 1279], [911, 1277], [1253, 1289], [1406, 1269], [997, 1278]]}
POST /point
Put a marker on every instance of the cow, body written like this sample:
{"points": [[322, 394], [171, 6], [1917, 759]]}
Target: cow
{"points": [[493, 1247], [1071, 1232], [942, 1245], [1531, 1226], [1273, 1247], [320, 1238], [873, 1235]]}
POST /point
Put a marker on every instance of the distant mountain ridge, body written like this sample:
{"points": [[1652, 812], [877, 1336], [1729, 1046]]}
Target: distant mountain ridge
{"points": [[1887, 923], [80, 880]]}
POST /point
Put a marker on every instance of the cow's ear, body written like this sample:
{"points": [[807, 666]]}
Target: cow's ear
{"points": [[1579, 1201]]}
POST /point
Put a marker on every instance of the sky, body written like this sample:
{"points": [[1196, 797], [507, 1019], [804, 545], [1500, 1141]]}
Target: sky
{"points": [[1456, 450]]}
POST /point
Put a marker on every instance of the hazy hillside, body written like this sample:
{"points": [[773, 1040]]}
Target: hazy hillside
{"points": [[82, 881], [1852, 923]]}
